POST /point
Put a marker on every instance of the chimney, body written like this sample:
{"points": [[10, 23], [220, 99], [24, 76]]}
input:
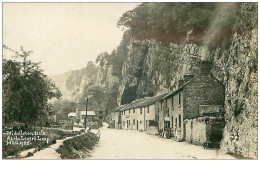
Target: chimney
{"points": [[205, 67], [187, 77], [180, 83]]}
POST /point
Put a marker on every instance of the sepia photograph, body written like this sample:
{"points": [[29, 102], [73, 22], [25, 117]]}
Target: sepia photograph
{"points": [[129, 81]]}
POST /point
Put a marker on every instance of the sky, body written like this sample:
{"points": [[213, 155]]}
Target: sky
{"points": [[63, 36]]}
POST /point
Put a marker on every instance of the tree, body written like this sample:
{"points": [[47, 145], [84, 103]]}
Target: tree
{"points": [[63, 108], [26, 89], [170, 22], [101, 58]]}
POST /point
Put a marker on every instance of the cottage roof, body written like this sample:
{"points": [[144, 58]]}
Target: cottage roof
{"points": [[119, 108], [72, 114], [143, 102], [130, 105], [90, 113], [172, 93]]}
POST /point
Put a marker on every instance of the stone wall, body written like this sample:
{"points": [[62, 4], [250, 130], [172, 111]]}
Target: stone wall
{"points": [[152, 130], [195, 132], [206, 131]]}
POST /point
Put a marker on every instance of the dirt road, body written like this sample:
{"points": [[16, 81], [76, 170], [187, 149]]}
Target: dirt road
{"points": [[130, 144]]}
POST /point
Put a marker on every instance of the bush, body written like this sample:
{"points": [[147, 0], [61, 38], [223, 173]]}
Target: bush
{"points": [[153, 123], [29, 154], [82, 131], [73, 148]]}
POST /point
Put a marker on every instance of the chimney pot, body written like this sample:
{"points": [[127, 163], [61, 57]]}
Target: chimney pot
{"points": [[205, 67], [180, 83], [187, 77]]}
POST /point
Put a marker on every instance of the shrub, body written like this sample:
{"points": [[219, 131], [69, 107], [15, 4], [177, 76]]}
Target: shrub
{"points": [[29, 154], [72, 148], [153, 123], [82, 131]]}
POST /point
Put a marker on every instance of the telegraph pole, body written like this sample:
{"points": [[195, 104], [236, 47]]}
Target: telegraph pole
{"points": [[85, 120]]}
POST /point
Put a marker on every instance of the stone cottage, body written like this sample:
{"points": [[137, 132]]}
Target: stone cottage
{"points": [[72, 115], [136, 115], [183, 103], [115, 120]]}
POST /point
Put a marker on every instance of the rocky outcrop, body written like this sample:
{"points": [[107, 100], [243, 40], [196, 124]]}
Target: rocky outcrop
{"points": [[240, 133], [154, 67], [73, 84]]}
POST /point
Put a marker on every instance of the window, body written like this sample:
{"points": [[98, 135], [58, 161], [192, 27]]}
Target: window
{"points": [[179, 121], [134, 110], [172, 101], [172, 121], [140, 122], [176, 122], [129, 111], [141, 111], [179, 98], [133, 121], [147, 109], [167, 124], [161, 105], [129, 122]]}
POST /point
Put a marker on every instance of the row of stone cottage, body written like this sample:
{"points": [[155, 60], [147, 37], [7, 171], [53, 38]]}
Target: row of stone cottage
{"points": [[196, 97]]}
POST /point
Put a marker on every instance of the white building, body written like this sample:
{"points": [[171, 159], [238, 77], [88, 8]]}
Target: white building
{"points": [[136, 115], [116, 118], [72, 115]]}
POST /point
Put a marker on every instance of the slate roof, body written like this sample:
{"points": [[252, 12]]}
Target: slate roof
{"points": [[72, 114], [143, 102], [172, 93], [90, 113], [119, 108]]}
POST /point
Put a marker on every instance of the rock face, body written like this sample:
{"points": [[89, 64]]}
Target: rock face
{"points": [[240, 133], [153, 67], [73, 83]]}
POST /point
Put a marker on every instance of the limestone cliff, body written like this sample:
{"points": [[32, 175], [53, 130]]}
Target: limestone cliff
{"points": [[240, 133]]}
